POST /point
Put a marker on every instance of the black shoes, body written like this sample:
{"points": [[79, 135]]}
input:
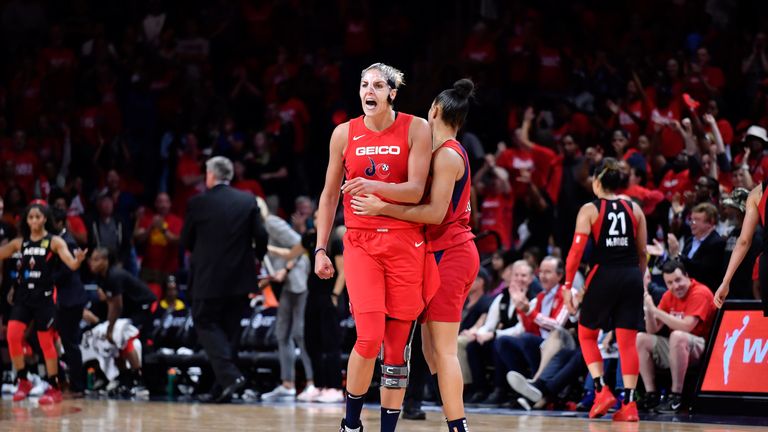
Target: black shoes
{"points": [[414, 413], [230, 390], [672, 405], [225, 395], [494, 400], [345, 428], [649, 402]]}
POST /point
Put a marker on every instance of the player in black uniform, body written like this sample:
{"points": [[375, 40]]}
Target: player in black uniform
{"points": [[33, 299], [613, 292]]}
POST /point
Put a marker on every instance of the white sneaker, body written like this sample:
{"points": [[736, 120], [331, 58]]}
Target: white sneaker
{"points": [[139, 392], [522, 386], [280, 393], [39, 385], [310, 394], [331, 396], [9, 388], [111, 388]]}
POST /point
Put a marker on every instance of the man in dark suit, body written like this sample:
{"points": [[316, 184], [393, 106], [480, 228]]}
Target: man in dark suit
{"points": [[224, 232], [703, 251]]}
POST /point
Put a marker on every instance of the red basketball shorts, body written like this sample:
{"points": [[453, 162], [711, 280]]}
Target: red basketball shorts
{"points": [[385, 271], [457, 267]]}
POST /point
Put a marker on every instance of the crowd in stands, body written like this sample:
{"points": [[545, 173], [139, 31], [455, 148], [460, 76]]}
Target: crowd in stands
{"points": [[109, 109]]}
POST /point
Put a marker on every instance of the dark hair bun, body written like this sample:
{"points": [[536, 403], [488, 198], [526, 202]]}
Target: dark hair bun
{"points": [[464, 88]]}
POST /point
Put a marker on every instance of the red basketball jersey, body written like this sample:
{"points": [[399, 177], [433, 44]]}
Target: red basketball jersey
{"points": [[381, 156], [455, 227]]}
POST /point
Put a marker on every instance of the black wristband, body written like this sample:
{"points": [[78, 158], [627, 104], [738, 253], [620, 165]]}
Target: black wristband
{"points": [[320, 249]]}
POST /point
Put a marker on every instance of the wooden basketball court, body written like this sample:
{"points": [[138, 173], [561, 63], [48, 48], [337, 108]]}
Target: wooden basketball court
{"points": [[113, 415]]}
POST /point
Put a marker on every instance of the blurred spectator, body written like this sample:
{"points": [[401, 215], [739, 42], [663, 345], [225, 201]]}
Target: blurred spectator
{"points": [[493, 184], [189, 174], [170, 301], [302, 219], [473, 317], [158, 234], [75, 225], [24, 161], [108, 230], [702, 252], [734, 208]]}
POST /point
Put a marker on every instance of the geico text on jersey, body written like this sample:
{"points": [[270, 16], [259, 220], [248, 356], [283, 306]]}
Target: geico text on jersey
{"points": [[377, 150]]}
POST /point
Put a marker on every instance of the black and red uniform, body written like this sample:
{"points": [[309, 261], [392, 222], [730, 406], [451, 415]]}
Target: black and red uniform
{"points": [[33, 297], [614, 287]]}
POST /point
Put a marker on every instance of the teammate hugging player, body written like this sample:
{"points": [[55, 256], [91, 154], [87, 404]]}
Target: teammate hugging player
{"points": [[32, 299], [614, 288], [386, 153]]}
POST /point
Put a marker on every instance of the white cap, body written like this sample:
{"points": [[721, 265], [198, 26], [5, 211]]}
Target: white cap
{"points": [[757, 132]]}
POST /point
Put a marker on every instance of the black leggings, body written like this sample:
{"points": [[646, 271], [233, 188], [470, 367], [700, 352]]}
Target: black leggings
{"points": [[323, 339], [68, 322]]}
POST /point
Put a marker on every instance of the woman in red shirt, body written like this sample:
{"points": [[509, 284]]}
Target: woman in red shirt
{"points": [[386, 153]]}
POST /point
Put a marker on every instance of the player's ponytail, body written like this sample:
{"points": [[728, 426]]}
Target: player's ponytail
{"points": [[454, 102], [609, 174]]}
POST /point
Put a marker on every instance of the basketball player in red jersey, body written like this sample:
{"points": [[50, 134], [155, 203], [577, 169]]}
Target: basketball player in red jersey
{"points": [[613, 292], [449, 241], [755, 214], [386, 153]]}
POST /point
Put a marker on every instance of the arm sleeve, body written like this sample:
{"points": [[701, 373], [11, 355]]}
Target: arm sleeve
{"points": [[574, 257]]}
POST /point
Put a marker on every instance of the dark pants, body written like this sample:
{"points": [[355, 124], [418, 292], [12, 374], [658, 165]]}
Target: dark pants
{"points": [[564, 367], [323, 340], [68, 324], [479, 358], [217, 323], [516, 353], [141, 318], [417, 377]]}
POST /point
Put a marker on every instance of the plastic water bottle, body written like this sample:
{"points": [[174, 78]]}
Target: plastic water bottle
{"points": [[90, 379], [170, 389]]}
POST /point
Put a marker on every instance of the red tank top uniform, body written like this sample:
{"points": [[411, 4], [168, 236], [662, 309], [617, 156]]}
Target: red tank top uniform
{"points": [[454, 252], [381, 156], [455, 228], [384, 257]]}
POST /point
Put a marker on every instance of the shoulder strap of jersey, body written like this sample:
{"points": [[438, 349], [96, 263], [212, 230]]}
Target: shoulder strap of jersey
{"points": [[630, 209], [456, 146]]}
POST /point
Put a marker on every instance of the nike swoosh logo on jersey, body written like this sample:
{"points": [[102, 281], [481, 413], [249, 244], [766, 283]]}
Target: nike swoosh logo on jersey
{"points": [[355, 138], [419, 243]]}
